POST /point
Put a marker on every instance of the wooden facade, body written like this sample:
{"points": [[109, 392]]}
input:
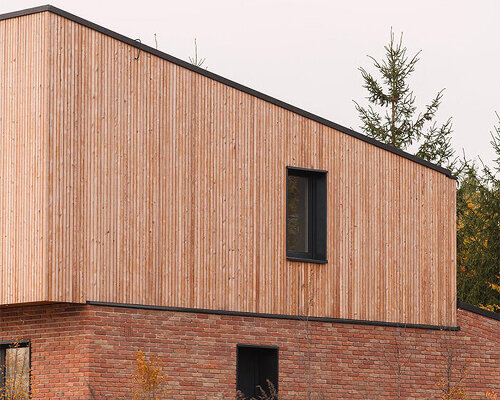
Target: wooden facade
{"points": [[128, 178], [23, 159]]}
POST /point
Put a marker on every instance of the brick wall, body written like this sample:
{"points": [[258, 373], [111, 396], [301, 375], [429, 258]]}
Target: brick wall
{"points": [[59, 343], [76, 348]]}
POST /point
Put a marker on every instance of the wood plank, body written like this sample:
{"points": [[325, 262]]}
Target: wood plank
{"points": [[131, 179]]}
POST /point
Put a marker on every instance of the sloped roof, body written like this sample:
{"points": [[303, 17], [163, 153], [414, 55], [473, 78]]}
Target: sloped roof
{"points": [[227, 82]]}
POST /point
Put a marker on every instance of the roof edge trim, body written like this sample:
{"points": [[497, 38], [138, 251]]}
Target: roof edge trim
{"points": [[476, 310], [227, 82], [275, 316]]}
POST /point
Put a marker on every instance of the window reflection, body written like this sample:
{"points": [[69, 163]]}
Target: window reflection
{"points": [[17, 374], [297, 224]]}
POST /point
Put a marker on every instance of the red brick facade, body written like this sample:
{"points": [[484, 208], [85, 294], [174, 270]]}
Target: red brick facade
{"points": [[76, 348]]}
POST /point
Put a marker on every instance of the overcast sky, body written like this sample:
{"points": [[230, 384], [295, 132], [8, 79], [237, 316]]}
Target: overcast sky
{"points": [[307, 52]]}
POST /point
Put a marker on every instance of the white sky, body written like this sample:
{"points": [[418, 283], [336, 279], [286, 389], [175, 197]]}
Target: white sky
{"points": [[307, 52]]}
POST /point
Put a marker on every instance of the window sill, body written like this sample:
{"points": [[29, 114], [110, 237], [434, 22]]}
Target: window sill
{"points": [[306, 260]]}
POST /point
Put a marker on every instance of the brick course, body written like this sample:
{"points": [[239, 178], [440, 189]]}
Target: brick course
{"points": [[76, 348]]}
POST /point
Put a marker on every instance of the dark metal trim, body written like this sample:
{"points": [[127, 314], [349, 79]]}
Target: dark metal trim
{"points": [[2, 367], [258, 346], [8, 344], [21, 343], [27, 11], [317, 214], [228, 82], [322, 171], [477, 310], [306, 260], [276, 316]]}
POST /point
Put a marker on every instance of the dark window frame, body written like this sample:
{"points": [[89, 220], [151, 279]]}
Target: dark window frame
{"points": [[9, 345], [317, 215], [256, 346]]}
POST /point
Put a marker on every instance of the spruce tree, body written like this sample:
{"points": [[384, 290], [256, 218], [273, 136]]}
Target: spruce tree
{"points": [[478, 235], [392, 117]]}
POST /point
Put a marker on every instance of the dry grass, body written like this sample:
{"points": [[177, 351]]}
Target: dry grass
{"points": [[270, 394]]}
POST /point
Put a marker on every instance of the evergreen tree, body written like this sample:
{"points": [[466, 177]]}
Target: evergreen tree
{"points": [[478, 235], [391, 116]]}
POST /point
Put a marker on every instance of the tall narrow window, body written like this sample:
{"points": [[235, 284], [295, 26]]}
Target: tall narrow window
{"points": [[306, 215], [257, 366], [15, 371]]}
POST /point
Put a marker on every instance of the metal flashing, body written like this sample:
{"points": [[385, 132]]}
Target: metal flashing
{"points": [[276, 316], [227, 82]]}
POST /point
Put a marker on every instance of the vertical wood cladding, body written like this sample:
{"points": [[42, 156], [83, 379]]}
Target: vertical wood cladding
{"points": [[23, 169], [167, 187]]}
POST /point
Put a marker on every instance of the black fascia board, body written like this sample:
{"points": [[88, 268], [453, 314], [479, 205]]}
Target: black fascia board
{"points": [[322, 171], [227, 82], [275, 316], [258, 346], [476, 310]]}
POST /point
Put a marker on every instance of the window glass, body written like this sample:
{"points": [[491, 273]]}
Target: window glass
{"points": [[297, 203], [16, 370], [306, 217]]}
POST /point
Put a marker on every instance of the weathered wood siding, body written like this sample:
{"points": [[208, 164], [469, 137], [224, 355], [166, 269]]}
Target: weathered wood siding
{"points": [[168, 188], [23, 192]]}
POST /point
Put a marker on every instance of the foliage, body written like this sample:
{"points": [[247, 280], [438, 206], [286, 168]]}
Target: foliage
{"points": [[454, 393], [150, 382], [478, 234], [449, 388], [400, 126], [391, 117], [17, 374]]}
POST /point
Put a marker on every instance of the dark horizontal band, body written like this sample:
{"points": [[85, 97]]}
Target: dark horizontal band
{"points": [[18, 343], [227, 82], [306, 260], [292, 168], [477, 310], [275, 316], [258, 346]]}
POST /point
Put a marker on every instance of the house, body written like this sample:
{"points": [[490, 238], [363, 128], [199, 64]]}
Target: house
{"points": [[149, 204]]}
